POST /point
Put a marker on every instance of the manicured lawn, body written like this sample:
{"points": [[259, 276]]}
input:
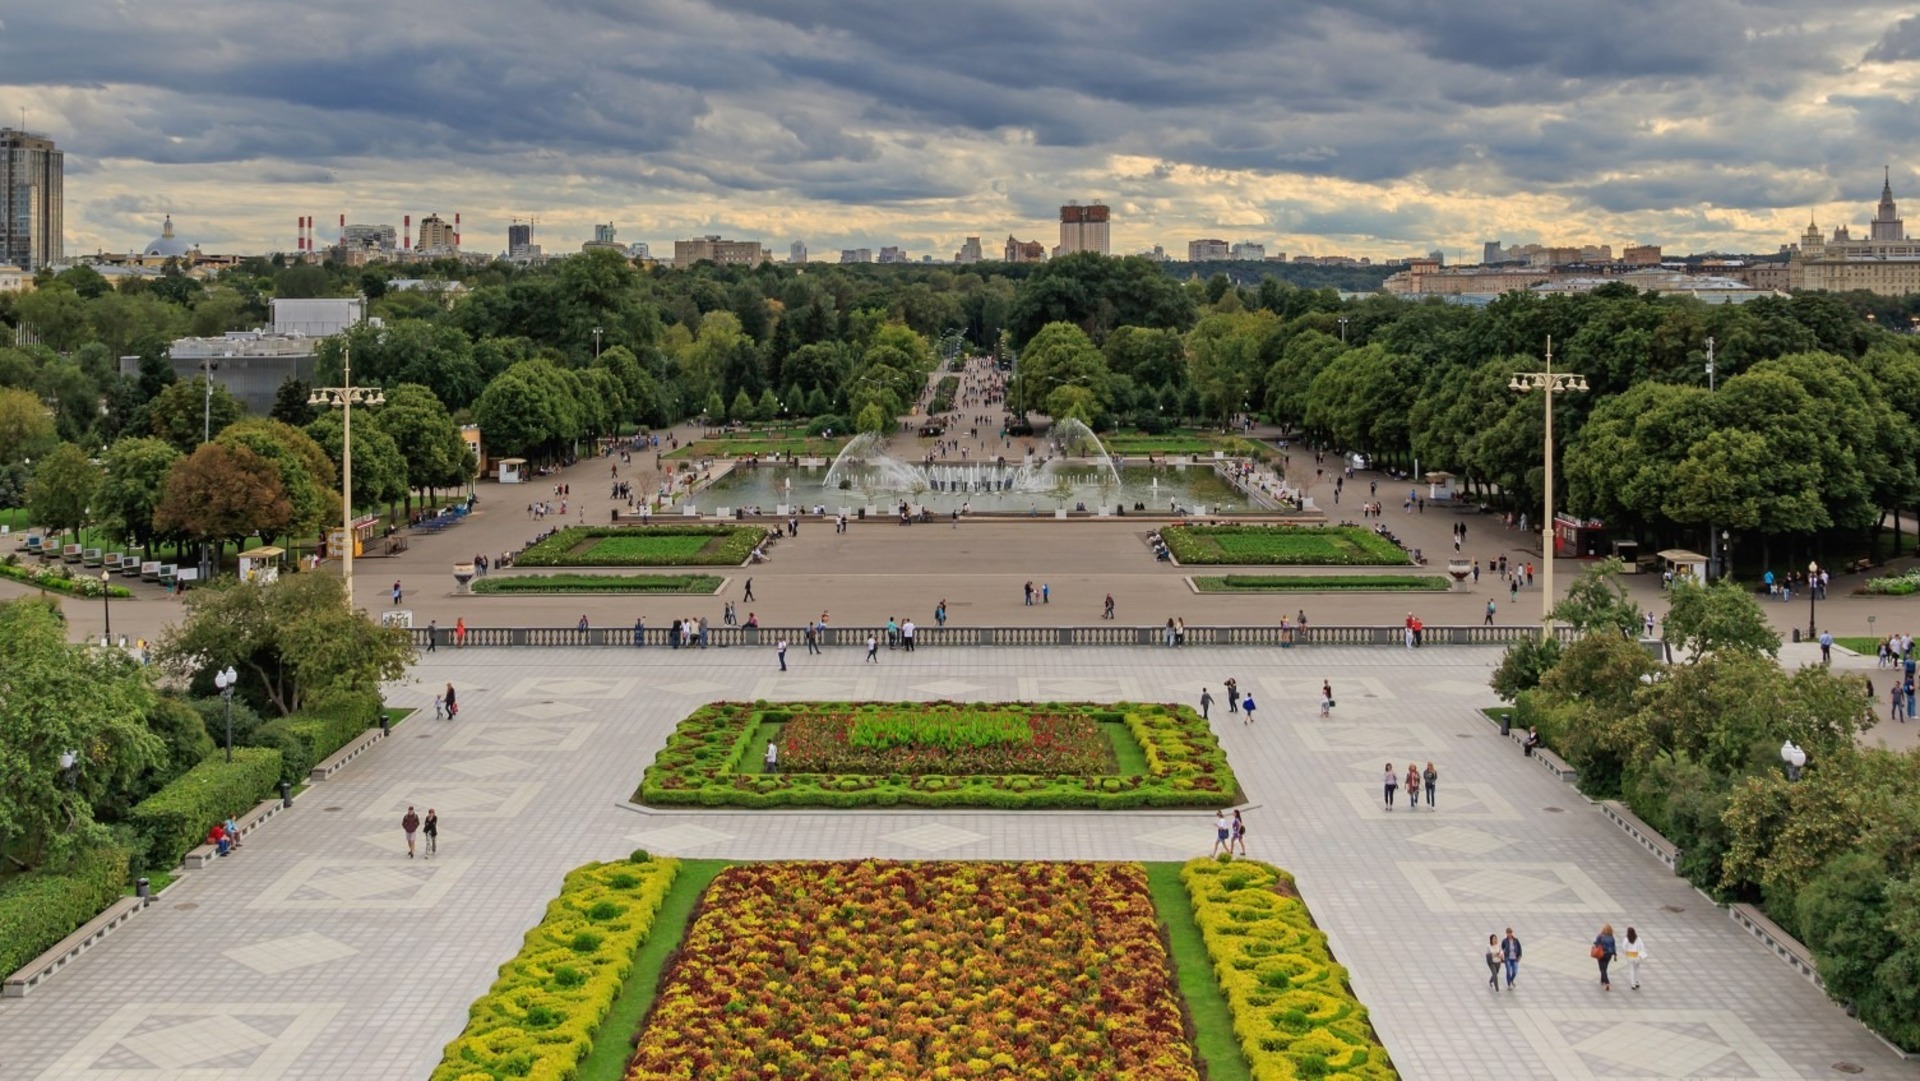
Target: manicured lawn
{"points": [[1106, 755], [600, 583], [1212, 1022], [645, 546], [1282, 545], [1332, 583], [608, 1060], [761, 446], [1861, 644]]}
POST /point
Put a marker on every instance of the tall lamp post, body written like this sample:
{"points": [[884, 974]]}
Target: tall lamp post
{"points": [[106, 603], [224, 680], [1713, 549], [597, 331], [344, 397], [1552, 383], [1813, 595]]}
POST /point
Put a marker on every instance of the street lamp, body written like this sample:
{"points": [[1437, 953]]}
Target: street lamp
{"points": [[1726, 554], [70, 767], [596, 342], [1794, 757], [224, 680], [344, 397], [1343, 329], [106, 602], [1713, 551], [1552, 383], [1813, 595]]}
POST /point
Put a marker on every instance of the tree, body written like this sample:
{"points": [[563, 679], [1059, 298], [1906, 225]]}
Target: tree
{"points": [[61, 492], [58, 697], [742, 408], [1719, 617], [426, 436], [1522, 666], [379, 469], [1060, 355], [871, 419], [306, 473], [291, 403], [25, 428], [184, 413], [295, 640], [1597, 603], [223, 493], [135, 482]]}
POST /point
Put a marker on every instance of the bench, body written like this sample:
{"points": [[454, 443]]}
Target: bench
{"points": [[1864, 563], [41, 968], [1663, 850], [336, 761], [1783, 945], [1546, 759], [200, 857]]}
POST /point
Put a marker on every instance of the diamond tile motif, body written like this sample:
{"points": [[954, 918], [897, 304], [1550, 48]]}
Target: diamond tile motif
{"points": [[277, 955], [1643, 1044], [1072, 688], [1189, 839], [194, 1041], [454, 799], [1394, 740], [571, 687], [361, 885], [672, 840], [1470, 801], [948, 688], [1459, 688], [935, 838], [1509, 887], [1346, 690], [547, 711], [395, 841], [551, 736], [490, 766], [691, 686], [823, 688], [1467, 842]]}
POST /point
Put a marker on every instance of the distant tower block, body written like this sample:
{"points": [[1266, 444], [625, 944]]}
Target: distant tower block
{"points": [[1084, 228]]}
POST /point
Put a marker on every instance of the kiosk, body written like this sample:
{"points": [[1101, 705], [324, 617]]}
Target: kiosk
{"points": [[1685, 565], [261, 565], [512, 470]]}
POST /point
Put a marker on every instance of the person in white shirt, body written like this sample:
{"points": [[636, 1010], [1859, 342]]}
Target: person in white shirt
{"points": [[1634, 949], [1222, 834]]}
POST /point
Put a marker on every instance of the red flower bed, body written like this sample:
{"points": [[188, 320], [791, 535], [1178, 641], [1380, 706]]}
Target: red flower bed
{"points": [[920, 970], [1057, 744]]}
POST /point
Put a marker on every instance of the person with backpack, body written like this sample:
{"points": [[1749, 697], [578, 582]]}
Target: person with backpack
{"points": [[1233, 695]]}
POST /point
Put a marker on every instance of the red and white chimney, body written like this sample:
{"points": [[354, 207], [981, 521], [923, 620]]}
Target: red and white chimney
{"points": [[407, 233], [456, 228]]}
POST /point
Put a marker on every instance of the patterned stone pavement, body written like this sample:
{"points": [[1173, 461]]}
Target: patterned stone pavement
{"points": [[321, 951]]}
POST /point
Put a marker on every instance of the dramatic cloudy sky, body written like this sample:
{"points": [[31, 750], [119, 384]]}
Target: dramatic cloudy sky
{"points": [[1376, 127]]}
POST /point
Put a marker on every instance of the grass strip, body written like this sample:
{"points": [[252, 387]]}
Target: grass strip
{"points": [[612, 1042], [1862, 644], [156, 881], [703, 584], [1206, 1004], [1129, 759], [1329, 583]]}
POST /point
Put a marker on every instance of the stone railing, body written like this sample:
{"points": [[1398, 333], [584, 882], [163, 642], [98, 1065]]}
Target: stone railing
{"points": [[932, 637]]}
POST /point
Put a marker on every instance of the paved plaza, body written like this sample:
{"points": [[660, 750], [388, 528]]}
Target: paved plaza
{"points": [[320, 951]]}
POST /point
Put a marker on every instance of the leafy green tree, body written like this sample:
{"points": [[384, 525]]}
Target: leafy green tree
{"points": [[742, 408], [379, 468], [223, 493], [292, 403], [61, 492], [871, 419], [135, 481], [1060, 355], [1598, 603], [1224, 359], [25, 428], [1718, 617], [306, 473], [1097, 293], [184, 412], [294, 639], [1523, 665], [768, 407], [426, 436]]}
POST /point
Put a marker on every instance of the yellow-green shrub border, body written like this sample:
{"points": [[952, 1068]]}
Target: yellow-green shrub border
{"points": [[538, 1019], [1289, 999]]}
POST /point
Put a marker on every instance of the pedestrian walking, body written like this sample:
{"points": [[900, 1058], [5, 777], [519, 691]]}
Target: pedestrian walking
{"points": [[1391, 780], [460, 633], [1046, 593], [1239, 833], [748, 594], [812, 638], [1603, 952], [1107, 612], [431, 828], [639, 631], [1233, 695], [1510, 953], [439, 707], [770, 763], [1326, 698], [453, 706], [1635, 953], [1489, 619], [1826, 648], [1246, 708], [1206, 703], [1432, 777], [1413, 787], [873, 649], [940, 613], [1898, 700], [410, 823], [1222, 835], [433, 634], [780, 651], [1493, 963], [396, 593]]}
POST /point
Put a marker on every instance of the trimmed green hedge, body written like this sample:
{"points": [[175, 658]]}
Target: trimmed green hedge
{"points": [[1325, 583], [40, 908], [306, 738], [177, 817], [699, 584], [1282, 545], [558, 550], [701, 765], [539, 1018]]}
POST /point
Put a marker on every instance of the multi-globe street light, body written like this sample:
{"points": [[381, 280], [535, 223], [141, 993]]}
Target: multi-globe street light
{"points": [[1552, 383], [344, 398], [223, 681]]}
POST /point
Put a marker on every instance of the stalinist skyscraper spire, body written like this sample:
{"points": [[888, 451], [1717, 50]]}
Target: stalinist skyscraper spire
{"points": [[1886, 222]]}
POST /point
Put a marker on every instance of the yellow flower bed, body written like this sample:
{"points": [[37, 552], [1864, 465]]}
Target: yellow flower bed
{"points": [[537, 1020], [1292, 1010]]}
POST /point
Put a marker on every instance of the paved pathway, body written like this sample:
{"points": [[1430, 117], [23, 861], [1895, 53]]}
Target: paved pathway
{"points": [[321, 951]]}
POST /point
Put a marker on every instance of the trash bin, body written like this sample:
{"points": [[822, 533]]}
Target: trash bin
{"points": [[1796, 634], [1506, 724], [286, 793], [142, 889]]}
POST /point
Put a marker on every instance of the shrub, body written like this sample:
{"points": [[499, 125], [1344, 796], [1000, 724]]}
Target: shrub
{"points": [[40, 908], [1293, 1012], [538, 1019], [306, 738], [1287, 545], [628, 546], [178, 816]]}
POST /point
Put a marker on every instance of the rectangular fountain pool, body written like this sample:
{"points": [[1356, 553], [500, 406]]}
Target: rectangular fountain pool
{"points": [[1062, 484]]}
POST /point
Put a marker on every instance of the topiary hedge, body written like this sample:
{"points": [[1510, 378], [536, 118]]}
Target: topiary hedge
{"points": [[177, 817], [701, 765], [40, 908], [308, 737], [736, 543], [1293, 1012], [538, 1019]]}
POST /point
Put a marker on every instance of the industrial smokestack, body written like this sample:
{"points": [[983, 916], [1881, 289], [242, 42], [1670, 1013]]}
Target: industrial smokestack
{"points": [[456, 228], [407, 234]]}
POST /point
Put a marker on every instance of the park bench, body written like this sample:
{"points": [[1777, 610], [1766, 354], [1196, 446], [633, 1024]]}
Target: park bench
{"points": [[1864, 563], [205, 854], [111, 562], [38, 970], [338, 760], [1663, 850]]}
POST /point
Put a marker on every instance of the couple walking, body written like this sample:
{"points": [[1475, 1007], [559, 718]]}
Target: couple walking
{"points": [[1229, 834], [411, 824]]}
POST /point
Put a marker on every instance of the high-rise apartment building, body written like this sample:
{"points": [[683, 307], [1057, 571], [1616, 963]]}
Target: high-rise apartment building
{"points": [[1083, 228], [369, 237], [1025, 251], [1250, 249], [1210, 250], [856, 255], [519, 239], [797, 252], [32, 197], [714, 249], [969, 252], [1490, 253], [892, 254], [437, 235]]}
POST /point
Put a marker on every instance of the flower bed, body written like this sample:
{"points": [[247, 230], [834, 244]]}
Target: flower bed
{"points": [[644, 546], [538, 1019], [1288, 545], [1292, 1009], [956, 741], [1893, 585], [60, 578], [701, 763], [935, 970], [600, 583]]}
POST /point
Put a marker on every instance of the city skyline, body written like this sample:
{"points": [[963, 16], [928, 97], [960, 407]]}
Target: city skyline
{"points": [[1384, 129]]}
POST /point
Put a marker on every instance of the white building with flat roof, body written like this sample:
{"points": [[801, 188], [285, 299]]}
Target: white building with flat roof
{"points": [[317, 317]]}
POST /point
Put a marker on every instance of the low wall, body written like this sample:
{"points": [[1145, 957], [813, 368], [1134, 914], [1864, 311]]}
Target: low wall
{"points": [[930, 636]]}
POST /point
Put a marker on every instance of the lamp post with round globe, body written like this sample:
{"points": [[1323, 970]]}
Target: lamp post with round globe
{"points": [[224, 681]]}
